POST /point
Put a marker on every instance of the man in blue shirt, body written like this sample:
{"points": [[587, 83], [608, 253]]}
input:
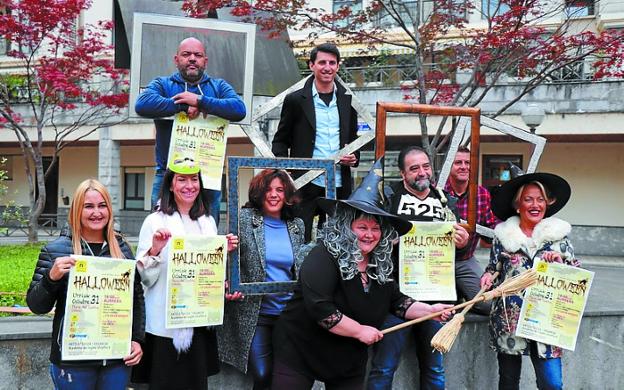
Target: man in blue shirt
{"points": [[194, 92], [316, 122]]}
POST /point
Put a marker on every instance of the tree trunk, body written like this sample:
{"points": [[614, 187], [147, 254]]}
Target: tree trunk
{"points": [[39, 202], [33, 226]]}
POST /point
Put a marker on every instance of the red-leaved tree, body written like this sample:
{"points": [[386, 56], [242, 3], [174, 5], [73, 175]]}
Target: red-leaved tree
{"points": [[524, 42], [63, 89]]}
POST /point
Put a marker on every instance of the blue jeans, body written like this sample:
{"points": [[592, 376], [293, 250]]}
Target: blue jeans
{"points": [[547, 371], [112, 377], [387, 355], [212, 198]]}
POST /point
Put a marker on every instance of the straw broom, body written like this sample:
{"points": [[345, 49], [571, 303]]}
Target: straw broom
{"points": [[443, 340], [511, 286]]}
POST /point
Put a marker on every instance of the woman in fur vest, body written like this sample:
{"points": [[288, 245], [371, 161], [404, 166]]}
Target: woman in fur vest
{"points": [[529, 232]]}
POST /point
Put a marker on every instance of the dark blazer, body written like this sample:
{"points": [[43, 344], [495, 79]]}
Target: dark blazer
{"points": [[240, 317], [296, 132]]}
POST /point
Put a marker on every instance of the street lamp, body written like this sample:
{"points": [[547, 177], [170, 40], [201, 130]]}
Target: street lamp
{"points": [[533, 116]]}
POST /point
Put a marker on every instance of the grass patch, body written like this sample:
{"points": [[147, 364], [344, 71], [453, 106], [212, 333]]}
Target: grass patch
{"points": [[17, 264]]}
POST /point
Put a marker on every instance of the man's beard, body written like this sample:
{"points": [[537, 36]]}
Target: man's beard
{"points": [[192, 78], [419, 185]]}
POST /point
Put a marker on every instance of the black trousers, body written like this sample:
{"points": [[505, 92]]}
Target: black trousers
{"points": [[308, 209], [287, 378]]}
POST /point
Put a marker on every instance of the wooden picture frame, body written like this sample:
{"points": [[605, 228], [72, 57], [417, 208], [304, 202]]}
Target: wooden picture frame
{"points": [[383, 108]]}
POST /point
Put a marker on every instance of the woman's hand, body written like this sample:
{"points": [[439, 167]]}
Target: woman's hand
{"points": [[232, 241], [159, 240], [61, 266], [460, 236], [444, 316], [486, 280], [235, 296], [136, 352], [552, 257], [368, 335]]}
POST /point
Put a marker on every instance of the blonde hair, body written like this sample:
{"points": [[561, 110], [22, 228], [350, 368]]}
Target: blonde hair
{"points": [[75, 212], [549, 200]]}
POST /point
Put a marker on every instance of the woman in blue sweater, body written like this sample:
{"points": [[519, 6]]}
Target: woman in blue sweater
{"points": [[245, 337]]}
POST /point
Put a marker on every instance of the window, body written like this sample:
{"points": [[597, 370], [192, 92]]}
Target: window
{"points": [[579, 7], [496, 169], [354, 5], [134, 190], [406, 10], [490, 8]]}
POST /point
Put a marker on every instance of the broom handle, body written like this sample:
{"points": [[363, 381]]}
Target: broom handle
{"points": [[478, 298], [483, 289]]}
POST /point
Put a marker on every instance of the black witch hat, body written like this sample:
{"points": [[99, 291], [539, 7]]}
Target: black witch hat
{"points": [[368, 197], [557, 187]]}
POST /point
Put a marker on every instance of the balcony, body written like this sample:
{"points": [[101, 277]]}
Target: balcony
{"points": [[18, 94], [394, 76]]}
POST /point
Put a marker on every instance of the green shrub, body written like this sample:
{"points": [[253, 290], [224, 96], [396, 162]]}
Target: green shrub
{"points": [[17, 263]]}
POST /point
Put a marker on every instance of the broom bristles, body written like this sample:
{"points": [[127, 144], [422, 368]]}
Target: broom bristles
{"points": [[513, 286], [443, 340]]}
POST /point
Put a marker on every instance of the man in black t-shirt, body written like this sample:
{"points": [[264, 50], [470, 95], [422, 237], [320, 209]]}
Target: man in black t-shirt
{"points": [[416, 199]]}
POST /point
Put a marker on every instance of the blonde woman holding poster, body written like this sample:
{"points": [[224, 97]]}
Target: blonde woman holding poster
{"points": [[529, 232], [180, 358], [90, 233]]}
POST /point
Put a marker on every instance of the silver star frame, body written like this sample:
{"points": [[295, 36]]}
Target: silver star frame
{"points": [[264, 148], [463, 131]]}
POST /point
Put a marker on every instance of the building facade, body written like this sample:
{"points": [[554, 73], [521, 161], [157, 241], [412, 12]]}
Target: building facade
{"points": [[583, 125]]}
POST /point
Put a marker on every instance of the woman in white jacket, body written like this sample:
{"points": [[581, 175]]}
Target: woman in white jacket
{"points": [[174, 358]]}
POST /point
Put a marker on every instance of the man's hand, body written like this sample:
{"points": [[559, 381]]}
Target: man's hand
{"points": [[460, 236], [193, 112], [348, 160], [188, 98]]}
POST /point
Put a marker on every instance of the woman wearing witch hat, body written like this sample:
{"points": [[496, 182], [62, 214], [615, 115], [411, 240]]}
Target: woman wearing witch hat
{"points": [[526, 204], [345, 291]]}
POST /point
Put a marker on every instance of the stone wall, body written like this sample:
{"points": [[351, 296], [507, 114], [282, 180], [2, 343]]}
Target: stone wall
{"points": [[596, 363]]}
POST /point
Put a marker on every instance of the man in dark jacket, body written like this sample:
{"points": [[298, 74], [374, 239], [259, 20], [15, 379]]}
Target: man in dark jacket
{"points": [[194, 92], [316, 122]]}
